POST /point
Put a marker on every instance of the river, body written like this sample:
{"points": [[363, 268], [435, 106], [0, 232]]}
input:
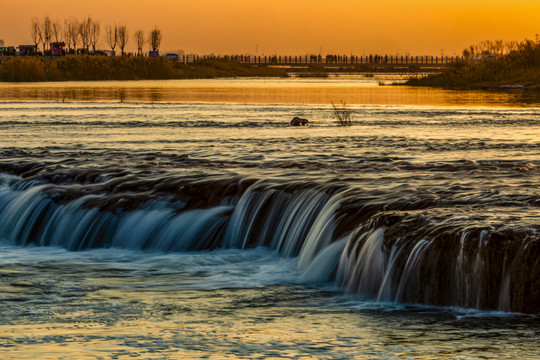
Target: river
{"points": [[188, 219]]}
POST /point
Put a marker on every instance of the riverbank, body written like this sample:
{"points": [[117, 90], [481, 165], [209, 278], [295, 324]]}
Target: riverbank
{"points": [[518, 70], [97, 68]]}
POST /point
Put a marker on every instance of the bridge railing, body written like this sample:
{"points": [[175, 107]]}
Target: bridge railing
{"points": [[291, 60]]}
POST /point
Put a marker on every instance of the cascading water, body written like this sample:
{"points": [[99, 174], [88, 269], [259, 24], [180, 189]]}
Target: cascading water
{"points": [[400, 256]]}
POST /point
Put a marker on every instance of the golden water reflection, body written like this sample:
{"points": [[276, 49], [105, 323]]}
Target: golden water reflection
{"points": [[263, 91]]}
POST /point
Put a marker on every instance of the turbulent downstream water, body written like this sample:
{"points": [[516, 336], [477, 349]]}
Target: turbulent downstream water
{"points": [[188, 228]]}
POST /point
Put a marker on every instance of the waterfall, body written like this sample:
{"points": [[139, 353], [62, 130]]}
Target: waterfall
{"points": [[465, 270], [401, 256]]}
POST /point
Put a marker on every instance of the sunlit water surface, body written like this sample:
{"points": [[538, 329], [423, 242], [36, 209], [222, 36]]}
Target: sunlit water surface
{"points": [[256, 303]]}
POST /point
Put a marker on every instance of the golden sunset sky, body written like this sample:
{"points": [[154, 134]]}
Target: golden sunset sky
{"points": [[294, 26]]}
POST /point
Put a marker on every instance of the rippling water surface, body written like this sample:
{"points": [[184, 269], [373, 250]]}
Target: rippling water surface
{"points": [[172, 220]]}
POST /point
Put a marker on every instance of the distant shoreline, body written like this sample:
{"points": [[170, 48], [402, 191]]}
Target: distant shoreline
{"points": [[488, 75], [121, 68], [517, 70], [98, 68]]}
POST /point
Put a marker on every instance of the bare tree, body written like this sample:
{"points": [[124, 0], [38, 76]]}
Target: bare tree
{"points": [[155, 39], [94, 34], [111, 35], [511, 46], [84, 32], [47, 32], [74, 32], [123, 37], [35, 31], [472, 52], [56, 31], [139, 40], [499, 47], [66, 34]]}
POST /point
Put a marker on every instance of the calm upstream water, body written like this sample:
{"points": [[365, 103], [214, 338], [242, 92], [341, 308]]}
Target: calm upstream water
{"points": [[188, 219]]}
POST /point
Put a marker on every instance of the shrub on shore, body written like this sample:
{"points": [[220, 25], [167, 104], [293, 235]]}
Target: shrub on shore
{"points": [[23, 69]]}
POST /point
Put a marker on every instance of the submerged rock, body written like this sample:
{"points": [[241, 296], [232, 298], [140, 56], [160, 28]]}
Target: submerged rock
{"points": [[296, 121]]}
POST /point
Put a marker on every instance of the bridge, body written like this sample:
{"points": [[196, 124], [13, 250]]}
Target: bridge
{"points": [[337, 61]]}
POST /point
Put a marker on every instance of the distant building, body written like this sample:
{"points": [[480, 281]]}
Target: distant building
{"points": [[1, 43]]}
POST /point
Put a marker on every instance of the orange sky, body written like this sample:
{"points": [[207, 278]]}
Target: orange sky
{"points": [[295, 26]]}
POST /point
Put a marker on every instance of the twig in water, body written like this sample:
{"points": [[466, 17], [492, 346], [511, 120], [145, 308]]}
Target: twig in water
{"points": [[342, 114]]}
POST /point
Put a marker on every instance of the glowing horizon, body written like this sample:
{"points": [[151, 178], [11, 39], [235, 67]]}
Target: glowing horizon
{"points": [[295, 26]]}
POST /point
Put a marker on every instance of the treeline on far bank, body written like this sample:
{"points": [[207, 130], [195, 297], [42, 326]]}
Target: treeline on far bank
{"points": [[491, 68], [94, 68]]}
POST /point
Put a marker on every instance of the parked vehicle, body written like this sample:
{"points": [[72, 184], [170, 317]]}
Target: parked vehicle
{"points": [[58, 48], [172, 56], [7, 51], [28, 50]]}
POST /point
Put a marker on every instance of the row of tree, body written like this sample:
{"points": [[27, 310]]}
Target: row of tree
{"points": [[86, 32]]}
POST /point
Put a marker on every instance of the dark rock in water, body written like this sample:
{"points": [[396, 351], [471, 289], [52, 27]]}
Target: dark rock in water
{"points": [[296, 121]]}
